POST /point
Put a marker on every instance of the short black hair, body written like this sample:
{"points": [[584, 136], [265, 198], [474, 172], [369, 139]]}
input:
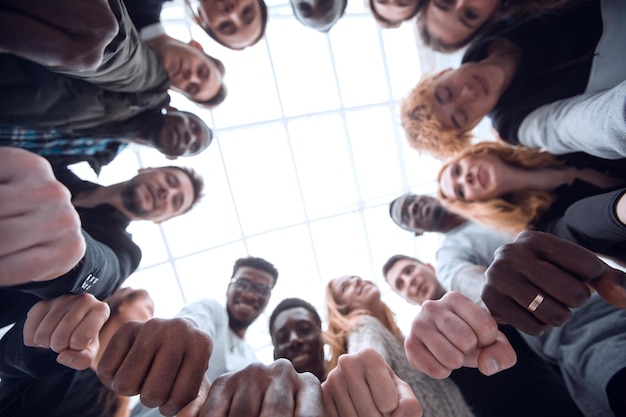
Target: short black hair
{"points": [[289, 303], [256, 263], [395, 258]]}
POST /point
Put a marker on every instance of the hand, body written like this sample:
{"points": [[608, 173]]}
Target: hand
{"points": [[265, 391], [452, 332], [69, 325], [40, 229], [363, 385], [535, 280], [163, 360]]}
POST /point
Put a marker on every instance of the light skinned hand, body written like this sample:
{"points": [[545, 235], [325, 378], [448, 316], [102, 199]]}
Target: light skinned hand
{"points": [[363, 385], [561, 272], [452, 332], [40, 229], [258, 390], [69, 325], [162, 360]]}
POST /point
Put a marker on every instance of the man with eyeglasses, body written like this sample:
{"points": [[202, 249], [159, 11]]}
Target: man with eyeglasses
{"points": [[247, 296]]}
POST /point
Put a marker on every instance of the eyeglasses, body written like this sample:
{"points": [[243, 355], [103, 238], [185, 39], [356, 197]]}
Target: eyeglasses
{"points": [[244, 285]]}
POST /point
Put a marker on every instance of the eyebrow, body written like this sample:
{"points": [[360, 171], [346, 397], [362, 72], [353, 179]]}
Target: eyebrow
{"points": [[404, 211], [461, 19], [441, 6], [466, 23], [251, 18], [438, 97], [227, 30], [455, 122]]}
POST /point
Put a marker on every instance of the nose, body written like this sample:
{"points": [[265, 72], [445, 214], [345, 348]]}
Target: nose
{"points": [[294, 339], [229, 7], [467, 95]]}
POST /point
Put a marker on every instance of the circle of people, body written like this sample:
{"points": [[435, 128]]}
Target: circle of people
{"points": [[522, 316]]}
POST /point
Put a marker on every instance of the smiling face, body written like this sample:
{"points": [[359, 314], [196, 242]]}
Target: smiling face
{"points": [[183, 134], [236, 24], [395, 11], [414, 281], [421, 213], [452, 22], [297, 336], [247, 296], [476, 177], [462, 97], [191, 71], [320, 15], [157, 194], [353, 293]]}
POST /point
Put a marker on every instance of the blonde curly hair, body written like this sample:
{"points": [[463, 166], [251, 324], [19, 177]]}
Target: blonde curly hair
{"points": [[513, 212], [423, 129]]}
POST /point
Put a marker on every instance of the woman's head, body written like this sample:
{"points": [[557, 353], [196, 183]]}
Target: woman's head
{"points": [[128, 304], [440, 112], [348, 298], [423, 129], [449, 25], [235, 24], [391, 13], [350, 293], [482, 183]]}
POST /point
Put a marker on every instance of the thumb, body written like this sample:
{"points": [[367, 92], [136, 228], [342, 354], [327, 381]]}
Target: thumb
{"points": [[193, 408], [611, 286], [79, 359], [496, 357], [408, 404]]}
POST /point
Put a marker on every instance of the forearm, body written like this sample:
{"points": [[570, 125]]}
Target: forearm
{"points": [[593, 123], [470, 281], [603, 231], [69, 35], [100, 272]]}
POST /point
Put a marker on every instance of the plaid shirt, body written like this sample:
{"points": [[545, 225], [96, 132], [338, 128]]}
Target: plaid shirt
{"points": [[52, 142]]}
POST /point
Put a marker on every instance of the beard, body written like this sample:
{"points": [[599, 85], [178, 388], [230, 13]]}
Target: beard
{"points": [[132, 202], [437, 217], [238, 324]]}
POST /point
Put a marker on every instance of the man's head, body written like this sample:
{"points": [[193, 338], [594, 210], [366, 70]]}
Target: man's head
{"points": [[183, 134], [320, 15], [417, 213], [158, 194], [196, 75], [422, 213], [440, 112], [296, 331], [412, 279], [235, 24], [249, 291], [449, 25]]}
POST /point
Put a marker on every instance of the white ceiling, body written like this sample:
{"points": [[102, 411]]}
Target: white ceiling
{"points": [[308, 152]]}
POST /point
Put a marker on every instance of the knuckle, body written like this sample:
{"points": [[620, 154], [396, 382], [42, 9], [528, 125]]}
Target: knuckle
{"points": [[430, 307], [560, 316]]}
